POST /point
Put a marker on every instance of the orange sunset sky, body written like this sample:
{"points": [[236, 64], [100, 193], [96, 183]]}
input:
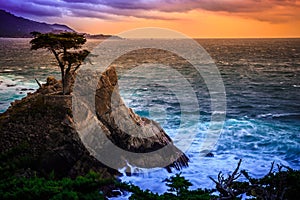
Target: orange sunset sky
{"points": [[195, 18]]}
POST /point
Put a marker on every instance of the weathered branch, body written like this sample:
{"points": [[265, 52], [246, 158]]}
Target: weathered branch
{"points": [[61, 65], [271, 169], [287, 167], [40, 85], [68, 68], [77, 67], [224, 186], [235, 174]]}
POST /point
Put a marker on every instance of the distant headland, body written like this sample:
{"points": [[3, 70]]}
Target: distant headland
{"points": [[12, 26]]}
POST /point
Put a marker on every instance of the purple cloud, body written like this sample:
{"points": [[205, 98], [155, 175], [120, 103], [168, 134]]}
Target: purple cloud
{"points": [[115, 9], [30, 8]]}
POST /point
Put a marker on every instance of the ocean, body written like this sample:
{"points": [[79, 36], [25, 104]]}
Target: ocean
{"points": [[262, 85]]}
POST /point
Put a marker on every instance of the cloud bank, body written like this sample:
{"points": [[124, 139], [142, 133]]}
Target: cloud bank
{"points": [[274, 11]]}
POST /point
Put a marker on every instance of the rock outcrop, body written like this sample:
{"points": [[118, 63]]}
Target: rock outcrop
{"points": [[40, 136], [131, 132], [40, 128]]}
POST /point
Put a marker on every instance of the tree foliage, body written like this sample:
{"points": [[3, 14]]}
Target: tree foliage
{"points": [[87, 187], [66, 47], [178, 184], [15, 183]]}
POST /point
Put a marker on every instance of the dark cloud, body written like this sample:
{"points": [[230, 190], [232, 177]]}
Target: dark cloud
{"points": [[91, 14], [132, 5], [111, 9], [187, 5], [28, 8], [107, 12]]}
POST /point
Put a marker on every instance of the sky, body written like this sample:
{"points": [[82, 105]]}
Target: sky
{"points": [[194, 18]]}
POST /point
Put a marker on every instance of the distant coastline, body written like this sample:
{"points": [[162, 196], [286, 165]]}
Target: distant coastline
{"points": [[18, 27], [88, 36], [101, 36]]}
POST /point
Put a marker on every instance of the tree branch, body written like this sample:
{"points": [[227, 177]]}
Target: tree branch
{"points": [[40, 85], [61, 65]]}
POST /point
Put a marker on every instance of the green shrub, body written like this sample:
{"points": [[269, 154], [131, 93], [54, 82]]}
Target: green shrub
{"points": [[83, 187], [282, 184]]}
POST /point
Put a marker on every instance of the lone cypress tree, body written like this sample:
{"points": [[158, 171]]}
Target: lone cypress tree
{"points": [[66, 47]]}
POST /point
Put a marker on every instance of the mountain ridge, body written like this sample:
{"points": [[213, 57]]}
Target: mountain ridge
{"points": [[12, 26]]}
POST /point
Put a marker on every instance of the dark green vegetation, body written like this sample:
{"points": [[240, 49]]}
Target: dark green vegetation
{"points": [[282, 184], [66, 47], [177, 189], [90, 186], [277, 184]]}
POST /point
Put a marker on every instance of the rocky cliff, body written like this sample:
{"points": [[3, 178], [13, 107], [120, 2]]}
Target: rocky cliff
{"points": [[131, 132], [39, 132]]}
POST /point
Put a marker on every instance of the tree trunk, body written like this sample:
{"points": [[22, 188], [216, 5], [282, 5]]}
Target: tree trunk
{"points": [[62, 67], [63, 78]]}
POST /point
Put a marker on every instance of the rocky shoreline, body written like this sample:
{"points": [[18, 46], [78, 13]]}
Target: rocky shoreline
{"points": [[40, 129], [42, 154]]}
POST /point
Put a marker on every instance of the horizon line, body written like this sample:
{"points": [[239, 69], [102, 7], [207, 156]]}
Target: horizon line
{"points": [[279, 37]]}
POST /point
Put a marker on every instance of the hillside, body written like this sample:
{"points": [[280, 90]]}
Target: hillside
{"points": [[13, 26]]}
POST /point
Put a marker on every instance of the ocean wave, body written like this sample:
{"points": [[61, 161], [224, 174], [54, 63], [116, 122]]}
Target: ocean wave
{"points": [[12, 88], [279, 115]]}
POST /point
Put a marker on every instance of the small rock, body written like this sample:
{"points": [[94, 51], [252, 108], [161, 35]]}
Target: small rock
{"points": [[51, 80], [210, 154], [10, 85]]}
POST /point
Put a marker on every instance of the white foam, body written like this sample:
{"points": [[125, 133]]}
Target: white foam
{"points": [[241, 139], [274, 115], [11, 87]]}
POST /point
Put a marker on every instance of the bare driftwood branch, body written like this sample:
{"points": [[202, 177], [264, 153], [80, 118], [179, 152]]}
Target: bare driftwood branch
{"points": [[271, 169], [40, 85], [235, 174], [224, 185], [287, 167], [273, 186]]}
